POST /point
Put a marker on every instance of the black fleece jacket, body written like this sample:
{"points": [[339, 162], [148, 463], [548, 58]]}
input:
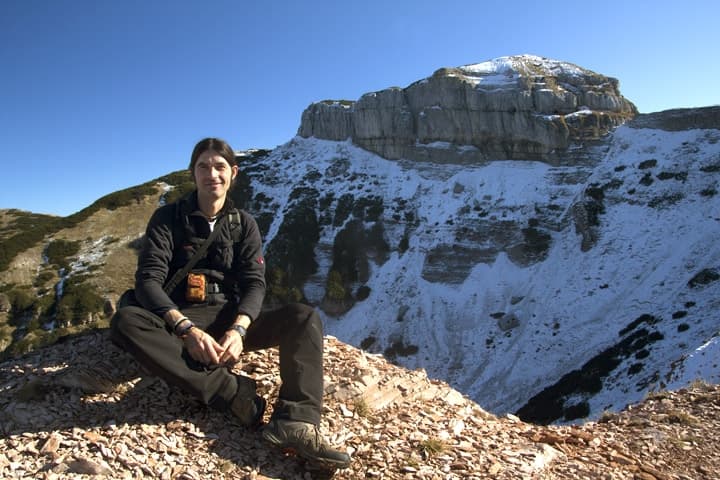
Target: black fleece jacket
{"points": [[175, 231]]}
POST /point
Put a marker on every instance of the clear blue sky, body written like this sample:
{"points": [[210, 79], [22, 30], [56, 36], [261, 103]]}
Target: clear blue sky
{"points": [[100, 95]]}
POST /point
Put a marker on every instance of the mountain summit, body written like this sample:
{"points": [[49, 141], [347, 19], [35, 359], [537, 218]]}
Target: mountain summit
{"points": [[521, 107]]}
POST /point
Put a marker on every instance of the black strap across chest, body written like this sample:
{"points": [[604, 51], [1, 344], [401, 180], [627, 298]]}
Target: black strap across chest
{"points": [[199, 253]]}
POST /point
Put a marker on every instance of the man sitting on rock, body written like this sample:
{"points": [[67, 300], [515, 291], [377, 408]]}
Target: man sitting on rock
{"points": [[191, 328]]}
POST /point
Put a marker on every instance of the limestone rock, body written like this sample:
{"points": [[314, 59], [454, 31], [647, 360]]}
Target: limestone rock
{"points": [[680, 119], [519, 107]]}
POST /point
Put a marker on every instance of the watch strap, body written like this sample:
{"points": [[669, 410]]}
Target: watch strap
{"points": [[240, 329]]}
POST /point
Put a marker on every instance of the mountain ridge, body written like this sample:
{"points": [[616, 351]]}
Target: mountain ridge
{"points": [[392, 249], [570, 281]]}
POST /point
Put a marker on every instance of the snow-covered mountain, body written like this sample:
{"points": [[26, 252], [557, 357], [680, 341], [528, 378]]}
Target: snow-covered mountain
{"points": [[514, 228], [626, 289]]}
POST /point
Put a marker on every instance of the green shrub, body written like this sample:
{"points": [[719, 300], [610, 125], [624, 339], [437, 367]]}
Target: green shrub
{"points": [[368, 342], [78, 302], [432, 446], [27, 237], [335, 289], [574, 412], [666, 200], [363, 292], [242, 191], [264, 221], [121, 198], [43, 278], [645, 164], [58, 252], [33, 228], [404, 244], [665, 175], [704, 277], [181, 182], [21, 300], [712, 168], [369, 209], [343, 209], [176, 178], [39, 338], [399, 348], [362, 409], [349, 259], [178, 192], [646, 180], [44, 305], [292, 251], [6, 332], [278, 290], [537, 243], [29, 342]]}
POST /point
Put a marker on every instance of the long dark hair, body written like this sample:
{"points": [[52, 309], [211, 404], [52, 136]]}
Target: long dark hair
{"points": [[221, 147]]}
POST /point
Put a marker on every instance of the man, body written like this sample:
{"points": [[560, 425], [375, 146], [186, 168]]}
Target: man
{"points": [[190, 335]]}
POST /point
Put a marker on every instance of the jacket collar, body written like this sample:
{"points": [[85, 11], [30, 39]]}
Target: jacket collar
{"points": [[189, 205]]}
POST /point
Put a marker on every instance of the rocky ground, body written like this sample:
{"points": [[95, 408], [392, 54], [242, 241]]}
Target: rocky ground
{"points": [[81, 409]]}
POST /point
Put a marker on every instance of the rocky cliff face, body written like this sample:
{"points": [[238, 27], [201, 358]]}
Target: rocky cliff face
{"points": [[507, 276], [680, 119], [520, 107]]}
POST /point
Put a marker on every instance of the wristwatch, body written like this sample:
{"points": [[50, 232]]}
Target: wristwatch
{"points": [[240, 329], [183, 332]]}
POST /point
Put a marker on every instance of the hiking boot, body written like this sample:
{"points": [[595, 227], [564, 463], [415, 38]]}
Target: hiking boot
{"points": [[248, 410], [304, 439]]}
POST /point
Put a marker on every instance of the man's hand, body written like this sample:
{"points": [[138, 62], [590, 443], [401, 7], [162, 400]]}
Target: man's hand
{"points": [[232, 343], [203, 347]]}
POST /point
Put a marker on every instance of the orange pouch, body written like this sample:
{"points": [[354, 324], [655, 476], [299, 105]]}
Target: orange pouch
{"points": [[195, 291]]}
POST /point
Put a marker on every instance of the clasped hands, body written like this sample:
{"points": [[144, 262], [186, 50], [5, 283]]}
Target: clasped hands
{"points": [[203, 348]]}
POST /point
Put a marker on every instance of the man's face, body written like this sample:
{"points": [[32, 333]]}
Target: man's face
{"points": [[213, 175]]}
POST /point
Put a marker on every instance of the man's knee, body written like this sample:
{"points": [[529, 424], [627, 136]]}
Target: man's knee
{"points": [[124, 324], [118, 327], [305, 316], [119, 321], [301, 311]]}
